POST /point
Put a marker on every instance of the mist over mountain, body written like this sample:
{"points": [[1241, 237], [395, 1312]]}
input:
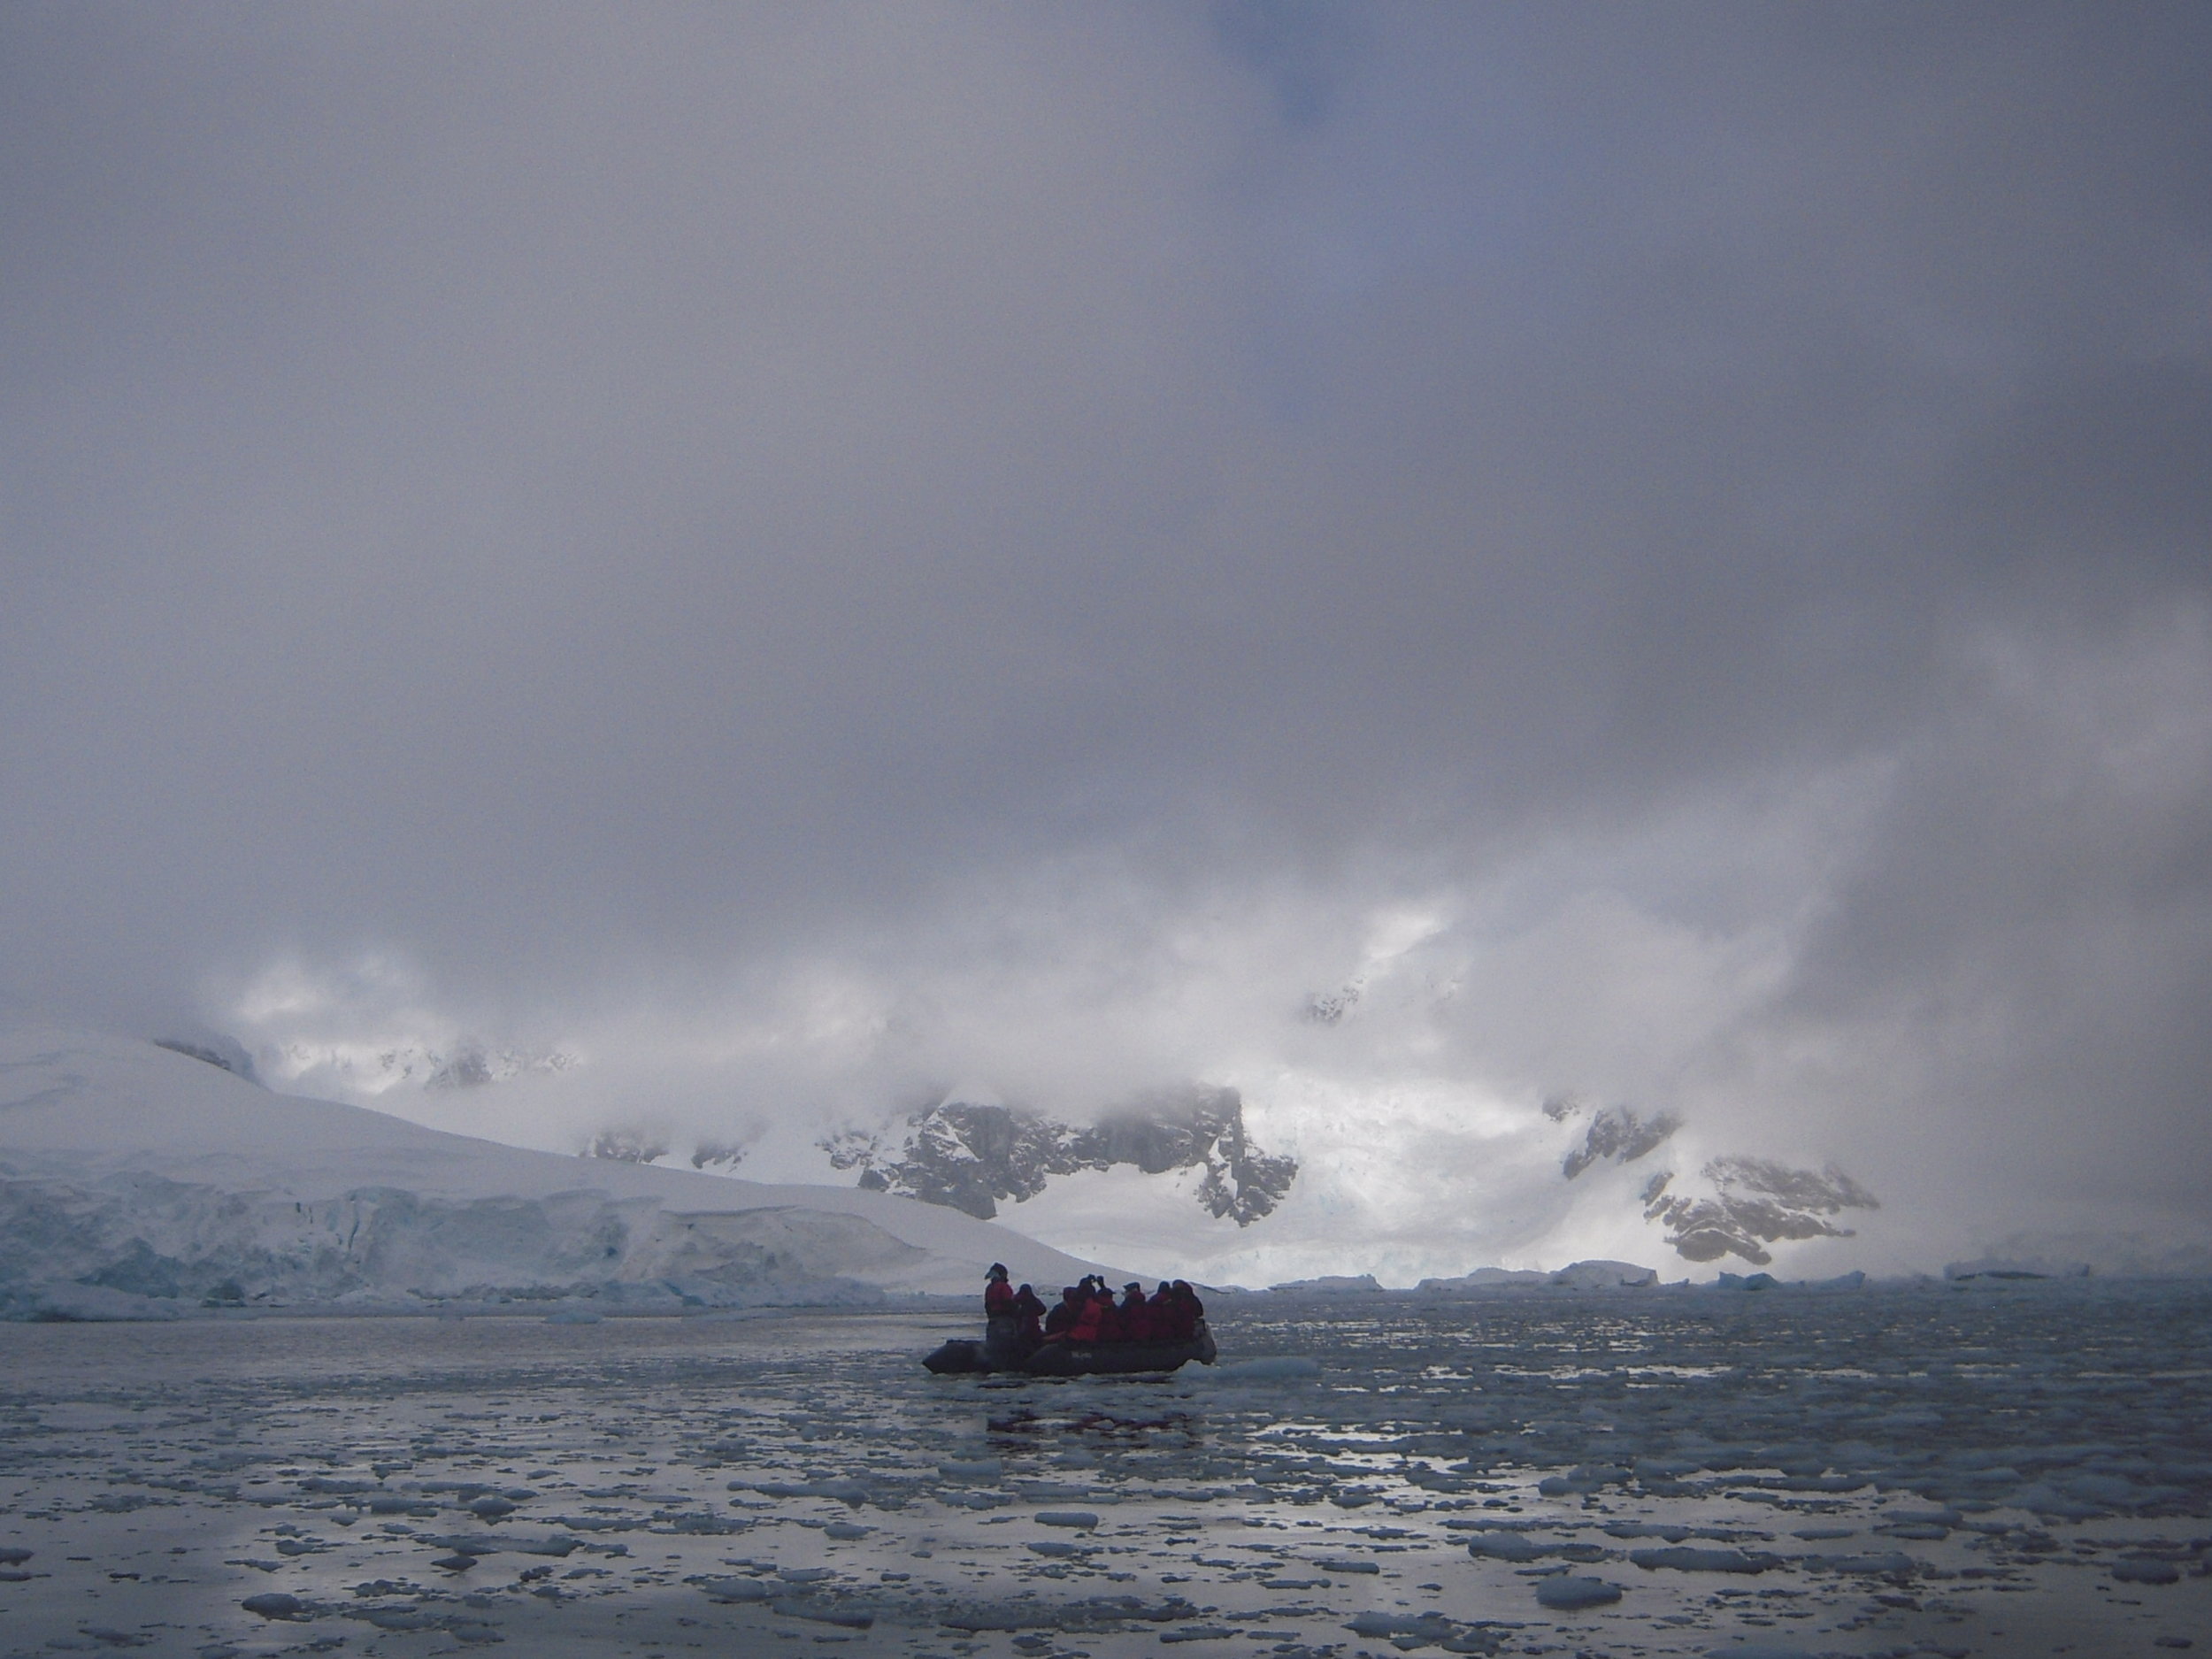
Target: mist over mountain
{"points": [[727, 576]]}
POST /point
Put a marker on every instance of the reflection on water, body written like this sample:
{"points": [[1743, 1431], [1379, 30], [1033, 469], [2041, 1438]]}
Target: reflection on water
{"points": [[2023, 1470]]}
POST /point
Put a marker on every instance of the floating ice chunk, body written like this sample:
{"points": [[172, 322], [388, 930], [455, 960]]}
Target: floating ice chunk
{"points": [[1343, 1565], [1431, 1625], [1484, 1279], [275, 1604], [1058, 1548], [844, 1491], [80, 1304], [2015, 1267], [1571, 1594], [844, 1619], [1519, 1547], [1066, 1518], [1685, 1559], [845, 1532], [971, 1469], [400, 1618], [734, 1589], [2146, 1570], [1508, 1547], [1605, 1276], [1271, 1368], [1945, 1518], [805, 1575], [469, 1543], [2044, 1500], [2113, 1490], [1583, 1477]]}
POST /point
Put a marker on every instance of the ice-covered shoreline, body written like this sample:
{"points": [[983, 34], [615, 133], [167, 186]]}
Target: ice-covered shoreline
{"points": [[1900, 1471]]}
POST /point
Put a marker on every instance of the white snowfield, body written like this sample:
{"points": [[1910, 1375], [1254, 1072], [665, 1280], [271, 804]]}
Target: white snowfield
{"points": [[135, 1180]]}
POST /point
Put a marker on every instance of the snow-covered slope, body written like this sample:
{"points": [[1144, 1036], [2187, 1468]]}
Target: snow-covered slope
{"points": [[128, 1170]]}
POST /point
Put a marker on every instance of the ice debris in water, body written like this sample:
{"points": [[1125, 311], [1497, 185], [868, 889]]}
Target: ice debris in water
{"points": [[1575, 1594], [1684, 1558], [1271, 1368], [1897, 1466]]}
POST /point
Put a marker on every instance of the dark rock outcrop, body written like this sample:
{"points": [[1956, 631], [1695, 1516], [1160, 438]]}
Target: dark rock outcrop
{"points": [[225, 1053], [1615, 1132], [1755, 1203], [969, 1157]]}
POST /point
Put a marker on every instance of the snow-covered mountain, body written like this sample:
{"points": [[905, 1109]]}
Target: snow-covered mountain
{"points": [[1742, 1204], [137, 1176], [970, 1156]]}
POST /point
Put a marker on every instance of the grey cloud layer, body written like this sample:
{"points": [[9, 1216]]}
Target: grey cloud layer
{"points": [[600, 502]]}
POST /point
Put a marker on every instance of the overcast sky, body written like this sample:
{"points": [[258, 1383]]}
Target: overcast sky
{"points": [[827, 551]]}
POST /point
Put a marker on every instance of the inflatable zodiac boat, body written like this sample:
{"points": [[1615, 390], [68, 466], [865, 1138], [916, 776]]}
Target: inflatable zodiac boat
{"points": [[1074, 1359]]}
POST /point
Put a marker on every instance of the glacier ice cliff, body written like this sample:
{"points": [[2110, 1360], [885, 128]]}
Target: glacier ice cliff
{"points": [[132, 1174]]}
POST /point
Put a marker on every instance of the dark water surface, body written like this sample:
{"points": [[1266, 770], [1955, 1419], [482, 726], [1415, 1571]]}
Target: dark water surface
{"points": [[2019, 1470]]}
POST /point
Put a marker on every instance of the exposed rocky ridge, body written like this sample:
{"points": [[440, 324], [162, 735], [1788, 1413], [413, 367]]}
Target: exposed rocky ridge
{"points": [[1755, 1203], [224, 1053], [969, 1156], [1615, 1132], [627, 1143]]}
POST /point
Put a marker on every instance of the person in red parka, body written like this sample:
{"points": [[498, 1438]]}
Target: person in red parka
{"points": [[1166, 1317], [1138, 1320], [1108, 1315], [1002, 1325], [1062, 1319], [1089, 1318], [1028, 1309], [1188, 1309]]}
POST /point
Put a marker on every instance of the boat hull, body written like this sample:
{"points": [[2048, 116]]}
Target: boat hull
{"points": [[961, 1357]]}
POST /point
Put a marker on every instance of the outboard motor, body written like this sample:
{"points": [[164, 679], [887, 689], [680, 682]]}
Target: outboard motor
{"points": [[1003, 1346], [955, 1358]]}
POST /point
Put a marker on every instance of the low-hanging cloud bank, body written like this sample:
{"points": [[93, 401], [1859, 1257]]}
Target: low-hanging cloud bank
{"points": [[810, 559]]}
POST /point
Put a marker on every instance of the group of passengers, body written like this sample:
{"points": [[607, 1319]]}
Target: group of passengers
{"points": [[1088, 1313]]}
